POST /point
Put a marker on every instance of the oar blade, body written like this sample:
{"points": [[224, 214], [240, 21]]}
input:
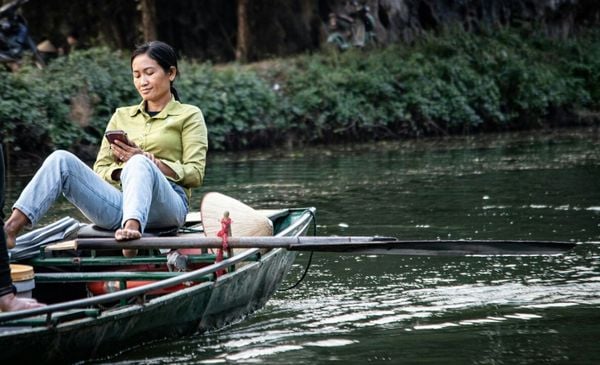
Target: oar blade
{"points": [[439, 248]]}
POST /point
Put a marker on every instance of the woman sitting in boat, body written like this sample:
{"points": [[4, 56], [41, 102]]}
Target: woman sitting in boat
{"points": [[143, 184]]}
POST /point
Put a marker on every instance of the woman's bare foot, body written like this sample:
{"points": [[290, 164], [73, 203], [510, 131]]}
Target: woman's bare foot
{"points": [[130, 231], [13, 226], [10, 303], [129, 253], [126, 234]]}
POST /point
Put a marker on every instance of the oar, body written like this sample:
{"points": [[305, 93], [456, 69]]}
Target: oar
{"points": [[352, 245], [251, 229]]}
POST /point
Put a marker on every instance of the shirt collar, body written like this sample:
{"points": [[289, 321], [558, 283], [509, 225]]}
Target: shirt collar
{"points": [[172, 108]]}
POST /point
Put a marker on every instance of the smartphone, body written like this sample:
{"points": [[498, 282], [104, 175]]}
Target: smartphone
{"points": [[118, 134]]}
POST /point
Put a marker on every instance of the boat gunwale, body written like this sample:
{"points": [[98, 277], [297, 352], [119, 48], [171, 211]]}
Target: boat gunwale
{"points": [[128, 293], [48, 310]]}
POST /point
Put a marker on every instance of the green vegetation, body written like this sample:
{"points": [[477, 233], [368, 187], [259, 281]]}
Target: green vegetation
{"points": [[445, 84]]}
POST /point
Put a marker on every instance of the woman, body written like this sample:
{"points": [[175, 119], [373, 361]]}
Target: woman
{"points": [[132, 187]]}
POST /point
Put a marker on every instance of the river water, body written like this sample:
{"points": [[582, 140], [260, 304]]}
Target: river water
{"points": [[425, 310]]}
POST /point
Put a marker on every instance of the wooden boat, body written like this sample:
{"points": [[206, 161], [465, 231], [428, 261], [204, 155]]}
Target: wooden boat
{"points": [[76, 325]]}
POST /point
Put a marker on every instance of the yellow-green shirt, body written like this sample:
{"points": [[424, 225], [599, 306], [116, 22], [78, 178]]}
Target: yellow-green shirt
{"points": [[177, 136]]}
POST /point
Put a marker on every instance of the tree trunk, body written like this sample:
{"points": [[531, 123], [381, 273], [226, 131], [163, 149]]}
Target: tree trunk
{"points": [[148, 9], [243, 32], [253, 30]]}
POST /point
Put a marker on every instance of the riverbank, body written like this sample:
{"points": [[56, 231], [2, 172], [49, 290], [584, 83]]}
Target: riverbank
{"points": [[445, 84]]}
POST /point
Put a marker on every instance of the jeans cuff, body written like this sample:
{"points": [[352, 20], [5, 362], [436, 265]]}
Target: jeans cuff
{"points": [[32, 218]]}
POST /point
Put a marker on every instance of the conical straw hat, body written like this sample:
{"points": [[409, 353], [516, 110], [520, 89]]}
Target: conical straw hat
{"points": [[245, 220], [47, 47]]}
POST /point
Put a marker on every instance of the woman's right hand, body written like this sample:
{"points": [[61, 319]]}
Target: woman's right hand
{"points": [[123, 152]]}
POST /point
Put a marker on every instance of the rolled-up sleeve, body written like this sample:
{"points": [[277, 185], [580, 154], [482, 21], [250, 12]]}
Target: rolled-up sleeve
{"points": [[194, 140]]}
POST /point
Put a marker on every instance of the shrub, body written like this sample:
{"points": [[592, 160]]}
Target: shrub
{"points": [[454, 82], [240, 108]]}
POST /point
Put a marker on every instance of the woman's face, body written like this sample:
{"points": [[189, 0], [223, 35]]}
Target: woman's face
{"points": [[151, 81]]}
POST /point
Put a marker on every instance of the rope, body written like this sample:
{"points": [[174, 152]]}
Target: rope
{"points": [[224, 233], [309, 257]]}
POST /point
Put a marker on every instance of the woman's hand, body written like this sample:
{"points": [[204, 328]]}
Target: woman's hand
{"points": [[123, 152], [166, 170]]}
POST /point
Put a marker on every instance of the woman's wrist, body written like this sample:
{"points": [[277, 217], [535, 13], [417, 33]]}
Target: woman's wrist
{"points": [[165, 169]]}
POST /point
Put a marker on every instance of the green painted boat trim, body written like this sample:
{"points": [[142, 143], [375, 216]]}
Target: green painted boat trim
{"points": [[55, 319], [115, 275], [117, 260], [128, 293]]}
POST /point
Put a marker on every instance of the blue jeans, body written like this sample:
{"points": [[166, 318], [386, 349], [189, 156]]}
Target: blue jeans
{"points": [[148, 196]]}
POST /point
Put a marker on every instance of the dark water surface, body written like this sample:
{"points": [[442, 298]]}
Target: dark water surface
{"points": [[426, 310]]}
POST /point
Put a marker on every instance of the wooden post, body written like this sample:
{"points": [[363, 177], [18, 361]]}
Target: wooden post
{"points": [[243, 31], [148, 9]]}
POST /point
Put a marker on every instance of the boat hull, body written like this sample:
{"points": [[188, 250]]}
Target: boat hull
{"points": [[198, 308]]}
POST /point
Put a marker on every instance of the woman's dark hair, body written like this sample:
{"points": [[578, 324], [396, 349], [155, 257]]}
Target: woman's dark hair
{"points": [[163, 54]]}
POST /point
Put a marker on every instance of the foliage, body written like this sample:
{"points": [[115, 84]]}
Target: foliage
{"points": [[66, 104], [240, 108], [455, 82], [22, 112]]}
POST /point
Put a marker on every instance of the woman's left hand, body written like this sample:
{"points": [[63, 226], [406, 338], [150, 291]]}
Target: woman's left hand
{"points": [[151, 157], [123, 152], [161, 166]]}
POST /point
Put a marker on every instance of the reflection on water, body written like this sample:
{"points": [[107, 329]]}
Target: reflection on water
{"points": [[393, 309], [522, 310]]}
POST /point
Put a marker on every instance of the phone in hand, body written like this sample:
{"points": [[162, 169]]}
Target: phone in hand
{"points": [[118, 134]]}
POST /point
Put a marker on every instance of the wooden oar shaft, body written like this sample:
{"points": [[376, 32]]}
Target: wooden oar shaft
{"points": [[350, 244], [215, 242]]}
